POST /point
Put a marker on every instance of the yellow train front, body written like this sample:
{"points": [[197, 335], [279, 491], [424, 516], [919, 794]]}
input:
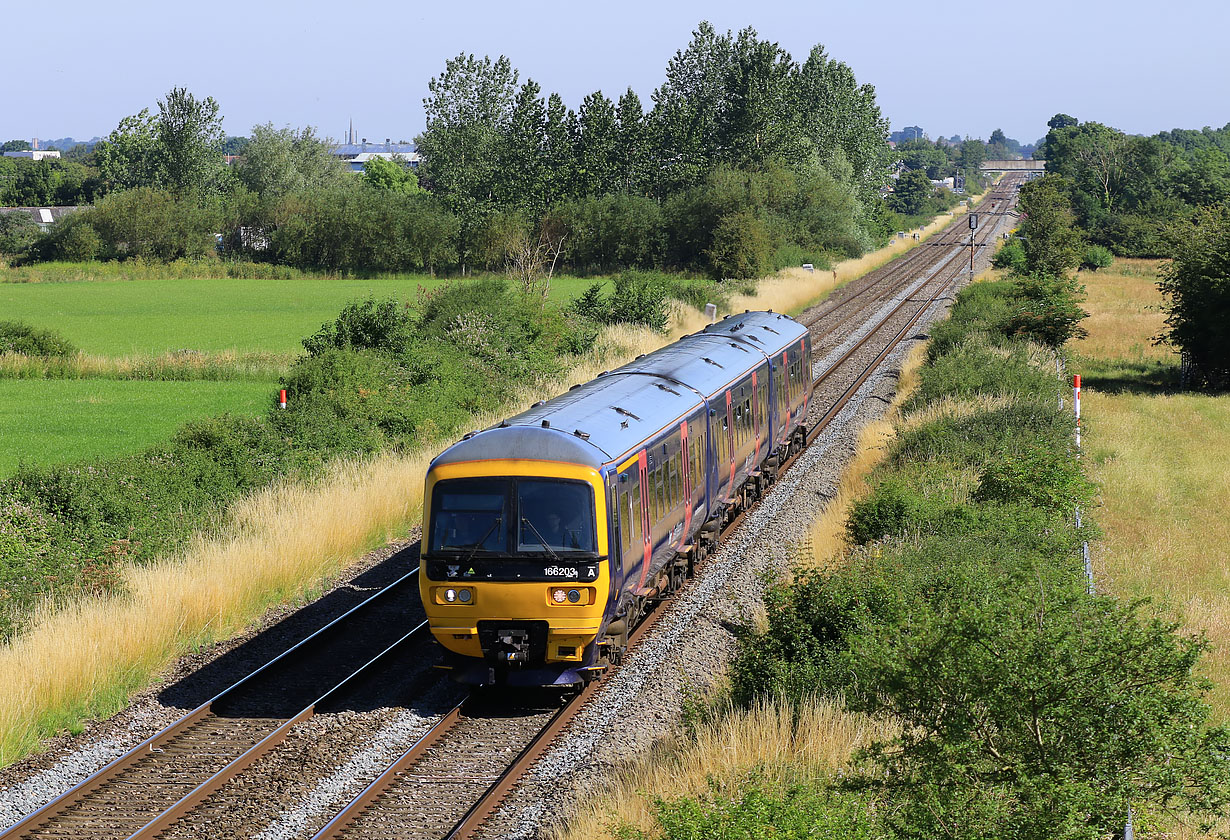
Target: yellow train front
{"points": [[544, 537]]}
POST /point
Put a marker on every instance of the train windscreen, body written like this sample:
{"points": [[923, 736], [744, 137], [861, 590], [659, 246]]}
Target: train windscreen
{"points": [[525, 516]]}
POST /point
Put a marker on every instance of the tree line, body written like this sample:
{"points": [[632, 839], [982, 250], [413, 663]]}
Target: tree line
{"points": [[783, 160], [1164, 196]]}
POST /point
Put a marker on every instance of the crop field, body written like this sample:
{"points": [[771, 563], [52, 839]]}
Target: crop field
{"points": [[1160, 458], [48, 421], [112, 315]]}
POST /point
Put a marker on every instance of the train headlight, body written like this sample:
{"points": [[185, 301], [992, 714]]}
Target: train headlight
{"points": [[559, 596], [574, 595], [454, 595]]}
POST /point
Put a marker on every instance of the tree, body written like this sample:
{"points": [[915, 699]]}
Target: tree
{"points": [[279, 161], [394, 175], [912, 194], [558, 153], [15, 146], [1196, 284], [1053, 245], [595, 145], [998, 138], [631, 163], [17, 232], [468, 109], [522, 169], [132, 155], [191, 136]]}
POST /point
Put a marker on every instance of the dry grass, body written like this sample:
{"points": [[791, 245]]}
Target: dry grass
{"points": [[83, 660], [721, 753], [183, 365], [1161, 463], [1125, 313]]}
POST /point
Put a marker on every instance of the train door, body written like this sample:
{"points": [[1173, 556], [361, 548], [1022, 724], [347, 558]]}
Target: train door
{"points": [[646, 547], [685, 449], [728, 438], [756, 391]]}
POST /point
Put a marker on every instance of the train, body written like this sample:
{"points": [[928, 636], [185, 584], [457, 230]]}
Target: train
{"points": [[548, 536]]}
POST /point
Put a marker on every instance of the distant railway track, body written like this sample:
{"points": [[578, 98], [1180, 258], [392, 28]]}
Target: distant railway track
{"points": [[456, 774]]}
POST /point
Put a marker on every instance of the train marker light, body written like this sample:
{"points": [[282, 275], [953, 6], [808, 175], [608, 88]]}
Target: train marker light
{"points": [[574, 595], [450, 595], [464, 596], [559, 596]]}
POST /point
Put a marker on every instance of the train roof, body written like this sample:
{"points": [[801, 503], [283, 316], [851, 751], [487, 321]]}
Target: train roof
{"points": [[610, 416]]}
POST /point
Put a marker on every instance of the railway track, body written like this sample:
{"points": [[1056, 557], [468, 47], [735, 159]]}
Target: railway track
{"points": [[457, 773], [423, 795], [144, 792]]}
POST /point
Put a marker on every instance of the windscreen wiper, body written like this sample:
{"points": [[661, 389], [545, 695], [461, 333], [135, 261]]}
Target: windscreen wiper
{"points": [[481, 540], [549, 549]]}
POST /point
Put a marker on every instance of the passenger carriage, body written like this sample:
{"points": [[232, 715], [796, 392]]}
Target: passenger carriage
{"points": [[546, 536]]}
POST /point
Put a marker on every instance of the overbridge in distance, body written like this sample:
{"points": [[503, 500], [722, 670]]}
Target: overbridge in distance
{"points": [[1013, 166]]}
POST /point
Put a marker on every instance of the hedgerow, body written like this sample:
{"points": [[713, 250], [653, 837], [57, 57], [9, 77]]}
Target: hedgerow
{"points": [[1031, 707]]}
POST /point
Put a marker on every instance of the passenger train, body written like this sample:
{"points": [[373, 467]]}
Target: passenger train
{"points": [[546, 537]]}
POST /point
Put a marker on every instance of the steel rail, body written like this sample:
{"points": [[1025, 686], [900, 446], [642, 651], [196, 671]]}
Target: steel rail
{"points": [[61, 805]]}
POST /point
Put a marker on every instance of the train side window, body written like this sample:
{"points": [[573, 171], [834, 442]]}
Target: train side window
{"points": [[676, 481], [660, 491]]}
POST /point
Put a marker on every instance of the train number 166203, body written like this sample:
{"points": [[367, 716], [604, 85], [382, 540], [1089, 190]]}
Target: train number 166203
{"points": [[561, 571]]}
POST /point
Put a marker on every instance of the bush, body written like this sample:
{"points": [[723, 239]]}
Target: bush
{"points": [[19, 337], [1011, 256], [383, 325], [637, 298], [17, 232], [1096, 257], [742, 248], [1049, 311]]}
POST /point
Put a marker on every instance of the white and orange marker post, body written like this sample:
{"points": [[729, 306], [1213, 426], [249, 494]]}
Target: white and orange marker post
{"points": [[282, 397], [1076, 406]]}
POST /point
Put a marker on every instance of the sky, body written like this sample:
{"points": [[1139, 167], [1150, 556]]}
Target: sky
{"points": [[76, 68]]}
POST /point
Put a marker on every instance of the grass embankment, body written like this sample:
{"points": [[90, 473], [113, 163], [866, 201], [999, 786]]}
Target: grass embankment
{"points": [[1159, 457], [70, 665], [952, 605]]}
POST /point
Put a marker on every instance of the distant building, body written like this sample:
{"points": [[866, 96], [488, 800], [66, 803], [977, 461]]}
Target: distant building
{"points": [[34, 154], [356, 153], [44, 217]]}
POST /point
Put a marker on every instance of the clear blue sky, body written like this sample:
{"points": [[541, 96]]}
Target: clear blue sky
{"points": [[75, 68]]}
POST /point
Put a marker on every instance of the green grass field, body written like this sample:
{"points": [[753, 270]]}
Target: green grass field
{"points": [[48, 421], [152, 315]]}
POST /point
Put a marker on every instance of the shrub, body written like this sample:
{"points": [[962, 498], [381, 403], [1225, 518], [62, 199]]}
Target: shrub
{"points": [[741, 247], [19, 337], [17, 232], [1049, 310], [1096, 257], [371, 324], [1196, 285], [637, 298], [1011, 256]]}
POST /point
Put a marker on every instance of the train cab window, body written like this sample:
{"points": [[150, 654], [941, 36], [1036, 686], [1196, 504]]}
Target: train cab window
{"points": [[470, 514], [558, 515]]}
